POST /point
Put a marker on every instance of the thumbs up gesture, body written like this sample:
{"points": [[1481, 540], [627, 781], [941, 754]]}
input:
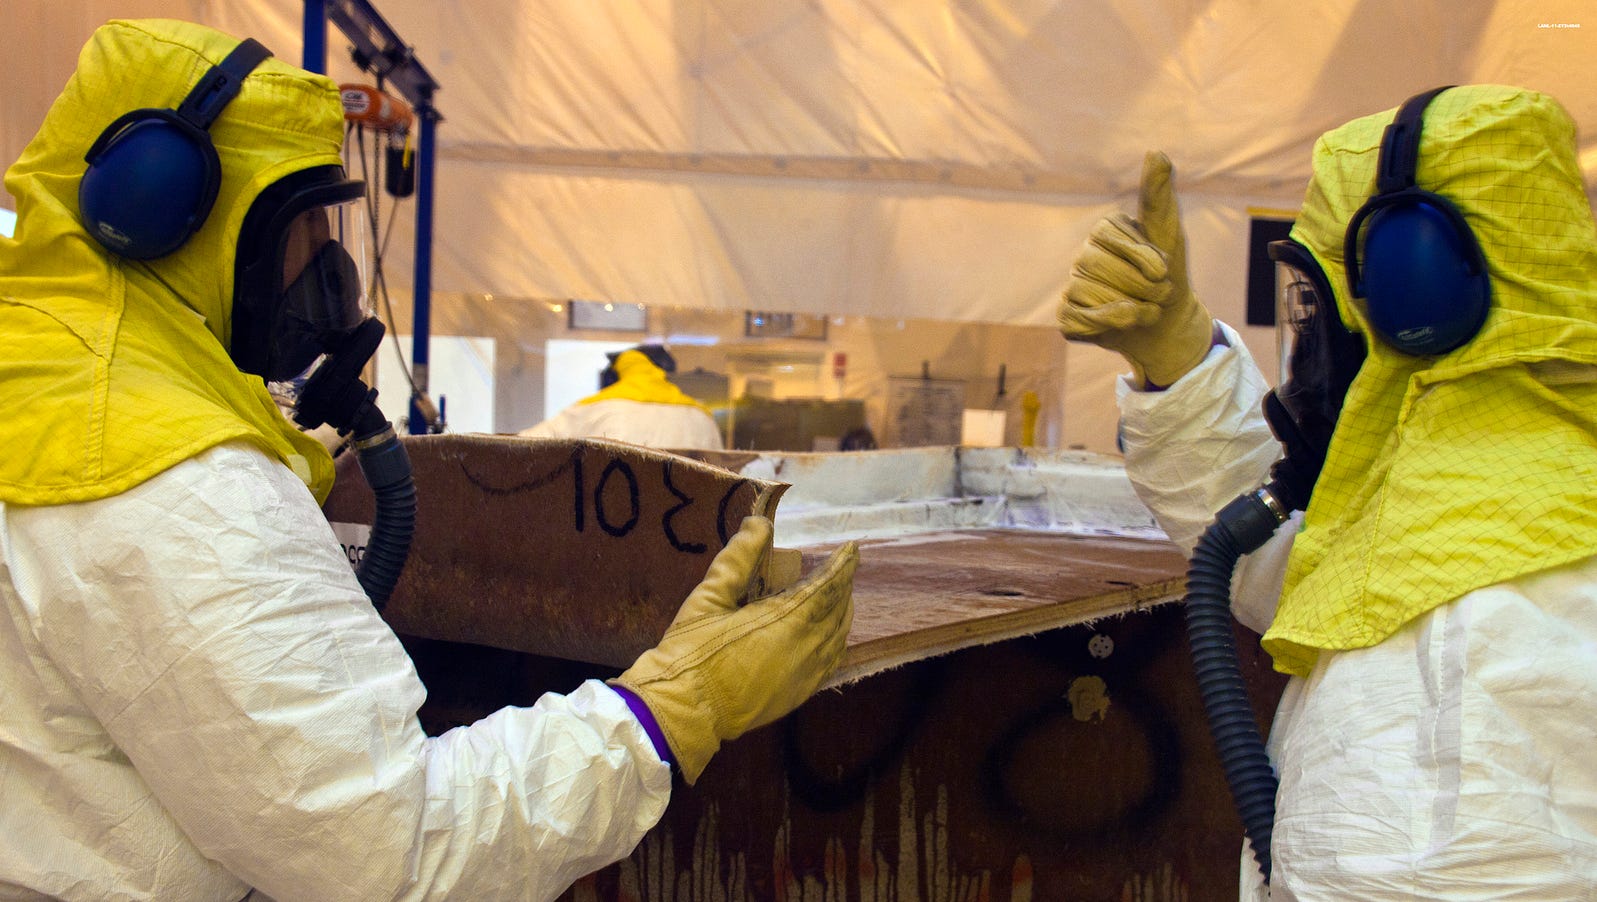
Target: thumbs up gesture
{"points": [[1129, 291]]}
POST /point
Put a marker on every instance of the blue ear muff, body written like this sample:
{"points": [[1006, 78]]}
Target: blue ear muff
{"points": [[153, 173], [1412, 256], [1422, 275], [149, 185]]}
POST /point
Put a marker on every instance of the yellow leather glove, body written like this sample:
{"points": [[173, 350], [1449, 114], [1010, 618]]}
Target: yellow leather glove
{"points": [[1129, 291], [722, 669]]}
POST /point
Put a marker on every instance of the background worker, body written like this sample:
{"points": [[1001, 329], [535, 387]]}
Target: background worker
{"points": [[200, 699], [636, 403], [1437, 601]]}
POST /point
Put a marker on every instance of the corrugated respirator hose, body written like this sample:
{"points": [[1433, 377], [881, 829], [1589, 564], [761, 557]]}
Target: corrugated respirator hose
{"points": [[1240, 527], [334, 394]]}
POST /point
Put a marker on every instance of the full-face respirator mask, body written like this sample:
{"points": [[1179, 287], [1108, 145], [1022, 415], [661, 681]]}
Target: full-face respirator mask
{"points": [[300, 317], [1319, 358]]}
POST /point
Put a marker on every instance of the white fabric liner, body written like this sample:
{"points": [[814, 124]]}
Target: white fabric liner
{"points": [[865, 156], [913, 492]]}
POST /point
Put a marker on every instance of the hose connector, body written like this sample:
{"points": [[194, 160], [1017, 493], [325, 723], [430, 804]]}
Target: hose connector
{"points": [[1250, 519]]}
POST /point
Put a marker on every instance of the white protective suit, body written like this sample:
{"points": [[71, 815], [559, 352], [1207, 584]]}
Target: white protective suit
{"points": [[1452, 760], [640, 407], [639, 422], [200, 699]]}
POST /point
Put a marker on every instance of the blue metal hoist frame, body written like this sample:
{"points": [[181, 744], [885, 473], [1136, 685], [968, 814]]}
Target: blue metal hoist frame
{"points": [[379, 50]]}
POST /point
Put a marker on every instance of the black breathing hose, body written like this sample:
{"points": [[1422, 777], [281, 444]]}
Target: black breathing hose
{"points": [[335, 395], [386, 466], [1242, 526]]}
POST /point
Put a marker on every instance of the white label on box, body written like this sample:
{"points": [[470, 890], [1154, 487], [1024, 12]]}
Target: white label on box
{"points": [[352, 537]]}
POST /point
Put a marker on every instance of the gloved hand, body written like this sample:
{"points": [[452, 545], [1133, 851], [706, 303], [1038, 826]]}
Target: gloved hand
{"points": [[1129, 292], [722, 670]]}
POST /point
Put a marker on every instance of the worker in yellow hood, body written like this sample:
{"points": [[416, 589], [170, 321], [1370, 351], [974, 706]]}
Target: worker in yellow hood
{"points": [[116, 359], [200, 701], [1436, 602], [636, 403]]}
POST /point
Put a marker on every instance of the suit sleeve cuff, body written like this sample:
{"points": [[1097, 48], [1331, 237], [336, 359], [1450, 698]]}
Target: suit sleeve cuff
{"points": [[646, 720]]}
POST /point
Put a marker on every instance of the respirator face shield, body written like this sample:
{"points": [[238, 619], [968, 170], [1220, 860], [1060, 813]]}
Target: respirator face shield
{"points": [[323, 296], [1319, 356], [1300, 287], [300, 285]]}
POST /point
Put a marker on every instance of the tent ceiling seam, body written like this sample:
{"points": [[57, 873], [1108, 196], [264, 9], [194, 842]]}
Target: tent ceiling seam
{"points": [[943, 174]]}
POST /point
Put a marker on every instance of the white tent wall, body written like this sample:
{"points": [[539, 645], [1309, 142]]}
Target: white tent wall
{"points": [[925, 159]]}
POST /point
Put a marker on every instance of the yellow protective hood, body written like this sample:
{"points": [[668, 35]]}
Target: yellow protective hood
{"points": [[114, 370], [640, 380], [1451, 473]]}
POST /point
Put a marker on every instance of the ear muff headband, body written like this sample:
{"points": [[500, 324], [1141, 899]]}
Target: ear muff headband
{"points": [[1410, 253], [153, 173]]}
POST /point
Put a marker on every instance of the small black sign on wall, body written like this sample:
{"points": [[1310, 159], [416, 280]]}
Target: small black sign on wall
{"points": [[1262, 230]]}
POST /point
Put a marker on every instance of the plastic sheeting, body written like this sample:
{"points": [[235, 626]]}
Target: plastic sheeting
{"points": [[887, 158]]}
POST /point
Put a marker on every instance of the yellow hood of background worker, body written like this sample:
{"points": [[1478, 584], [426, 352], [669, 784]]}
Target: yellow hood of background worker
{"points": [[114, 369], [1448, 473], [636, 404], [639, 379]]}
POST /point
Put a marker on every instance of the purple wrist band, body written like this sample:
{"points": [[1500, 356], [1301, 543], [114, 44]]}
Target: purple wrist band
{"points": [[646, 719]]}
